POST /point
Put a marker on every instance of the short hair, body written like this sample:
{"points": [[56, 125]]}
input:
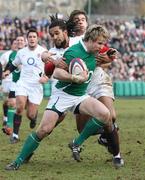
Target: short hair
{"points": [[95, 31], [77, 12], [55, 21], [12, 40], [32, 30]]}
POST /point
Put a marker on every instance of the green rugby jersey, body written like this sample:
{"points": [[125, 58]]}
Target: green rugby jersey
{"points": [[78, 51], [16, 73]]}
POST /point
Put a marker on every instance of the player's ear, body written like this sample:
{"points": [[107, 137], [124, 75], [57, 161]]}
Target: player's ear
{"points": [[66, 32]]}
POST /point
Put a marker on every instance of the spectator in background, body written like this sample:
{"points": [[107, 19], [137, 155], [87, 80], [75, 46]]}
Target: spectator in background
{"points": [[2, 44]]}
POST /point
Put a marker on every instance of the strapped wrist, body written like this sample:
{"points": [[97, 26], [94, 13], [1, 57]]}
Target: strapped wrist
{"points": [[76, 78]]}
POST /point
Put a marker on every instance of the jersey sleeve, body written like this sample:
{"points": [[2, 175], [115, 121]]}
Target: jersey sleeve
{"points": [[17, 61], [3, 60], [68, 55]]}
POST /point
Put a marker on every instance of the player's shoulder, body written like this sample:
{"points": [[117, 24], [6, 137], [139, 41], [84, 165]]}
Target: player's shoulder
{"points": [[41, 47], [74, 47], [6, 53], [13, 52], [5, 57], [76, 50], [53, 50], [24, 49], [74, 40]]}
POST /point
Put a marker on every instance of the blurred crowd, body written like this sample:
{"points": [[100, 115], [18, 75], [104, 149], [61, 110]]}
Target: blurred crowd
{"points": [[127, 36], [10, 28]]}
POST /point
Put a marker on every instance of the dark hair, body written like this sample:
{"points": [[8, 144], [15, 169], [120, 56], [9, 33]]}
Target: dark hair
{"points": [[12, 40], [71, 24], [77, 12], [32, 30], [55, 21]]}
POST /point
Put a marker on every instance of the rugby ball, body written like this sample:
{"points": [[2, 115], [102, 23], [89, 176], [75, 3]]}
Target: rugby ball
{"points": [[49, 68], [76, 66]]}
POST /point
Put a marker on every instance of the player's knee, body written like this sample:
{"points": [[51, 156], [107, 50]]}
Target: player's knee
{"points": [[113, 118], [12, 104], [19, 110], [105, 116], [43, 131], [80, 128]]}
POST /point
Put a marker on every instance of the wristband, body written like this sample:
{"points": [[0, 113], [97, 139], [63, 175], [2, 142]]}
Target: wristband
{"points": [[77, 79]]}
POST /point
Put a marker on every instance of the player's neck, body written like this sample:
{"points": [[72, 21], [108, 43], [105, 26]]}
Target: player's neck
{"points": [[66, 45], [32, 48], [79, 33]]}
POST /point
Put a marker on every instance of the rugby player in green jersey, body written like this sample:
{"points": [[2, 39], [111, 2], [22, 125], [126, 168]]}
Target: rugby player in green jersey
{"points": [[100, 87], [11, 97]]}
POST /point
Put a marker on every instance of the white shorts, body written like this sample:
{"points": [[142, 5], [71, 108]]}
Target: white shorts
{"points": [[34, 93], [6, 86], [100, 85], [63, 102], [13, 86]]}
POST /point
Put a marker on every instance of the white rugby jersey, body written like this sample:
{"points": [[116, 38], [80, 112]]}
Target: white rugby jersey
{"points": [[4, 59], [31, 64], [60, 51]]}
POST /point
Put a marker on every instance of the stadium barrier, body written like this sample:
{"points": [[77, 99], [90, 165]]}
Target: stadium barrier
{"points": [[121, 89], [129, 88]]}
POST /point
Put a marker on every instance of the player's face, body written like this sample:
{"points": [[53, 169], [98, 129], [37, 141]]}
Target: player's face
{"points": [[20, 42], [81, 23], [59, 37], [97, 45], [32, 40]]}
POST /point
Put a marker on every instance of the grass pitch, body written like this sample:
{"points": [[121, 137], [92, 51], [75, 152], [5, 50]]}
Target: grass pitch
{"points": [[53, 161]]}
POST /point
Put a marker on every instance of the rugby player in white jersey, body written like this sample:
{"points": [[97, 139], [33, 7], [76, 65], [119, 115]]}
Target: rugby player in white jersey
{"points": [[29, 91], [61, 40]]}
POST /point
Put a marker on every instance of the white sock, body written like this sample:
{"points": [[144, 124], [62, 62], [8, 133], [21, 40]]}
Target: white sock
{"points": [[15, 135], [118, 155]]}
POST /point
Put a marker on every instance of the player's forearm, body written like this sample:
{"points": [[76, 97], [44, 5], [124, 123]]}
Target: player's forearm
{"points": [[10, 68], [62, 75]]}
